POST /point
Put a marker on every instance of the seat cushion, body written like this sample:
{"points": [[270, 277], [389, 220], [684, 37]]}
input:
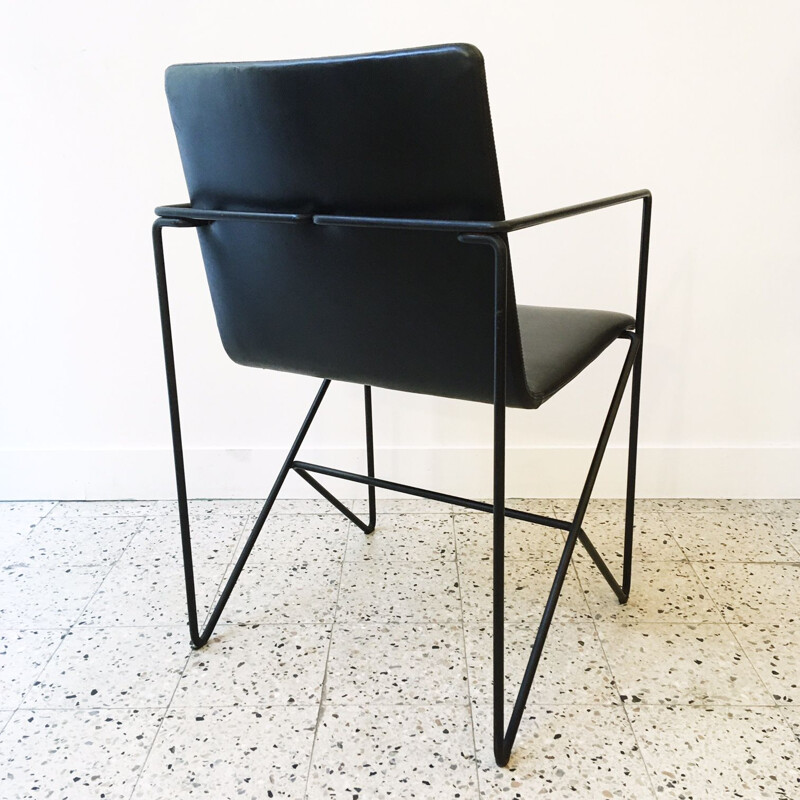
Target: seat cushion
{"points": [[557, 343]]}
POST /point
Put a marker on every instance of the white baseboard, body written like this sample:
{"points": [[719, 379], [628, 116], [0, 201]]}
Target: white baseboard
{"points": [[531, 472]]}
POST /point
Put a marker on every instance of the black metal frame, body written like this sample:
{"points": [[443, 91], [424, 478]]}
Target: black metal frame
{"points": [[493, 235]]}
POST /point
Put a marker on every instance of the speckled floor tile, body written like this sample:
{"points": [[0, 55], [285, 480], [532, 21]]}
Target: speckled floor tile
{"points": [[527, 585], [572, 668], [567, 751], [112, 668], [401, 663], [218, 509], [704, 504], [386, 592], [613, 507], [787, 526], [309, 505], [75, 754], [103, 508], [76, 542], [44, 597], [23, 655], [774, 651], [247, 753], [301, 537], [791, 714], [405, 537], [17, 520], [407, 752], [148, 594], [256, 666], [778, 505], [718, 752], [301, 592], [373, 625], [660, 592], [753, 592], [565, 507], [652, 540], [522, 539], [402, 505], [729, 537], [23, 513], [214, 540], [680, 664]]}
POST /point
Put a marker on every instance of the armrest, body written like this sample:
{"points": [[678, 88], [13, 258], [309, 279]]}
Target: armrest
{"points": [[478, 226], [186, 212], [572, 211]]}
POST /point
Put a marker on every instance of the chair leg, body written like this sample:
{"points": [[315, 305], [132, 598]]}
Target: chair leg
{"points": [[498, 583], [199, 639], [370, 457], [504, 743], [630, 494], [369, 526]]}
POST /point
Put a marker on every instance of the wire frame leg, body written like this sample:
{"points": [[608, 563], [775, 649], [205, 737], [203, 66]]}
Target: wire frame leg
{"points": [[630, 493], [369, 526], [199, 638], [370, 458], [503, 747]]}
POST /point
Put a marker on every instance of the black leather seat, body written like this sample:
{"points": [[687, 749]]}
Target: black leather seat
{"points": [[558, 343], [352, 228]]}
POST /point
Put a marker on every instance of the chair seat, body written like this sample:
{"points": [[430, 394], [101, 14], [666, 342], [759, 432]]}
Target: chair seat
{"points": [[558, 343]]}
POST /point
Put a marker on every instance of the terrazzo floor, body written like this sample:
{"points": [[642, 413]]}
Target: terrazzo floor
{"points": [[352, 666]]}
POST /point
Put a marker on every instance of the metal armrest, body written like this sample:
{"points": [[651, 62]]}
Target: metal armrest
{"points": [[571, 211], [185, 212], [478, 226]]}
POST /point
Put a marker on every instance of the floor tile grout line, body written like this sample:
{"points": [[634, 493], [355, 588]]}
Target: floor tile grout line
{"points": [[466, 656], [166, 710], [743, 650], [99, 586], [639, 748], [717, 606], [168, 705], [782, 713], [324, 683], [63, 637], [674, 538]]}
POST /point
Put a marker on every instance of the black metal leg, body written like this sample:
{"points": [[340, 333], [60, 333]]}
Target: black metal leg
{"points": [[370, 457], [198, 639], [633, 439], [259, 523], [499, 494], [630, 493], [298, 467], [504, 738], [566, 555]]}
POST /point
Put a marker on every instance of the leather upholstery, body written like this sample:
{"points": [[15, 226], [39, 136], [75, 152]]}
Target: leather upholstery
{"points": [[400, 134], [558, 343]]}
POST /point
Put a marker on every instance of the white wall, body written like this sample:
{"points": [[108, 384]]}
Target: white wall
{"points": [[698, 101]]}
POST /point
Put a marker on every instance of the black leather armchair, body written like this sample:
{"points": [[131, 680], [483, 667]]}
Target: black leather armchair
{"points": [[352, 228]]}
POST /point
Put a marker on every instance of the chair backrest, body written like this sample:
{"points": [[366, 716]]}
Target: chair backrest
{"points": [[399, 134]]}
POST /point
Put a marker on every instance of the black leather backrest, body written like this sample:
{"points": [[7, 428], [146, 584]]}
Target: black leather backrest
{"points": [[405, 133]]}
